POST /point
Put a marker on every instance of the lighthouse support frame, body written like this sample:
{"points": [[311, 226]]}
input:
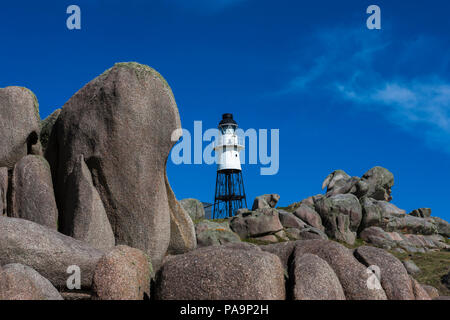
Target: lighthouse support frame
{"points": [[230, 193]]}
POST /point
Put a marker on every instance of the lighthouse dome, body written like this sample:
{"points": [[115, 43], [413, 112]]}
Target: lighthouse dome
{"points": [[227, 119]]}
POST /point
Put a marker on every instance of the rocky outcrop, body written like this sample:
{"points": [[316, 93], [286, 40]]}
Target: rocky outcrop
{"points": [[341, 215], [48, 252], [409, 224], [19, 125], [242, 272], [339, 182], [382, 214], [375, 183], [421, 212], [352, 275], [256, 223], [408, 242], [33, 197], [288, 220], [122, 274], [265, 201], [307, 214], [314, 279], [372, 213], [19, 282], [194, 208], [442, 226], [85, 217], [414, 232], [393, 276], [379, 182], [340, 267], [124, 123], [211, 233]]}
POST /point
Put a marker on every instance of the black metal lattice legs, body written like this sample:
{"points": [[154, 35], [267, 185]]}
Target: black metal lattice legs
{"points": [[229, 195]]}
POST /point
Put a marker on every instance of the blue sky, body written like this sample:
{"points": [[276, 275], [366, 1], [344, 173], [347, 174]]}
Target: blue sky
{"points": [[343, 97]]}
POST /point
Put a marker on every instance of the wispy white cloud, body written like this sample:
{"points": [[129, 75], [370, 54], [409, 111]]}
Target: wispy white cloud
{"points": [[419, 106], [419, 103]]}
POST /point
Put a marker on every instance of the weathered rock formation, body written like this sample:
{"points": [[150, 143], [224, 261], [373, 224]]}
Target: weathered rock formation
{"points": [[359, 208], [122, 122]]}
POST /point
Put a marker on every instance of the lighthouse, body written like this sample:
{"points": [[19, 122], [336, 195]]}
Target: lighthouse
{"points": [[230, 192]]}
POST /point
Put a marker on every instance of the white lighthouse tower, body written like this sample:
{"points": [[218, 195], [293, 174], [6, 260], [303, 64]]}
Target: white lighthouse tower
{"points": [[230, 192]]}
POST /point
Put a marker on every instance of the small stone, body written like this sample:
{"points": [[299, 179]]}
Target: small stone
{"points": [[411, 267]]}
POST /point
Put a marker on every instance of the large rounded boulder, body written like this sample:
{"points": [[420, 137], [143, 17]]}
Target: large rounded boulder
{"points": [[122, 274], [229, 272], [259, 223], [33, 197], [314, 279], [124, 123], [47, 251], [353, 276]]}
